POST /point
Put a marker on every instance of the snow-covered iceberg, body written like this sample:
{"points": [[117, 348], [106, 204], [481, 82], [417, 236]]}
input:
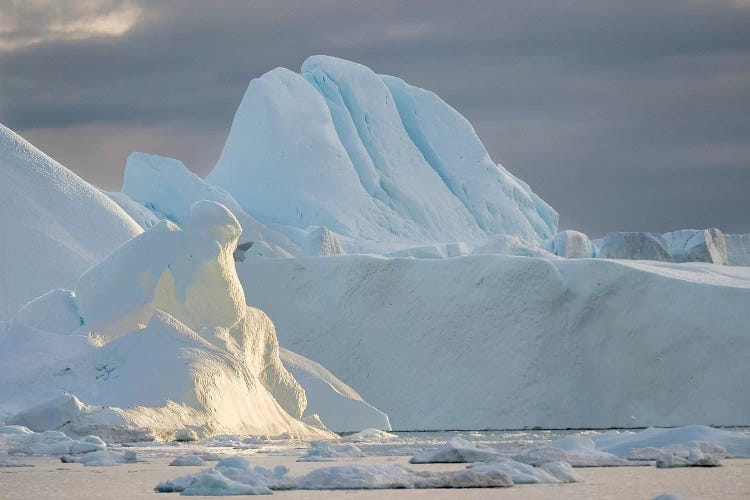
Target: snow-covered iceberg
{"points": [[54, 225]]}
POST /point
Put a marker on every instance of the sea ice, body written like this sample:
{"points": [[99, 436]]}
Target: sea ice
{"points": [[457, 450], [322, 451], [102, 458], [187, 460]]}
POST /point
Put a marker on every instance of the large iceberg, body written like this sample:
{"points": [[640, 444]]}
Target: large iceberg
{"points": [[342, 147], [157, 336], [54, 225], [493, 341]]}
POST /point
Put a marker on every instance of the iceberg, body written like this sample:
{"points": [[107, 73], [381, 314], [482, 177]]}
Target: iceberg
{"points": [[156, 336], [54, 225], [342, 147], [562, 335]]}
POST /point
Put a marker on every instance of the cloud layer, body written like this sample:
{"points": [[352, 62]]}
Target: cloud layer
{"points": [[626, 115]]}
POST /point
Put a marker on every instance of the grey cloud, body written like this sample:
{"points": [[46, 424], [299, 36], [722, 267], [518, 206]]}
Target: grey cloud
{"points": [[623, 115]]}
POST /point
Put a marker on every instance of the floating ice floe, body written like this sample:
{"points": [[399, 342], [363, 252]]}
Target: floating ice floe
{"points": [[374, 476], [520, 473], [187, 460], [457, 450], [48, 443], [102, 458], [626, 443], [578, 451], [370, 436], [322, 451], [231, 476]]}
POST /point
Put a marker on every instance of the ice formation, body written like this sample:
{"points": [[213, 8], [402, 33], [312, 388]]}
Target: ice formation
{"points": [[54, 225], [322, 451], [339, 406], [457, 450], [434, 337], [735, 444], [578, 451], [156, 336], [187, 461], [572, 245], [168, 189], [342, 147], [237, 476]]}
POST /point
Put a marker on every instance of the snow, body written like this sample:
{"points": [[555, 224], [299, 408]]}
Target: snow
{"points": [[342, 147], [54, 225], [187, 460], [139, 213], [322, 451], [492, 341], [338, 406], [457, 450]]}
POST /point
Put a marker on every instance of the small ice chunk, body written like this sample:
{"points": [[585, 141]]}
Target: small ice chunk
{"points": [[518, 472], [102, 458], [578, 451], [185, 435], [457, 450], [374, 476], [370, 435], [562, 471], [322, 451], [187, 460]]}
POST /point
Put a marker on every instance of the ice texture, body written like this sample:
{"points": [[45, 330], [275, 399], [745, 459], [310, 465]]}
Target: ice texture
{"points": [[457, 450], [342, 147], [54, 225], [323, 451], [687, 245], [572, 245], [338, 406], [164, 341], [166, 187], [436, 337], [373, 476]]}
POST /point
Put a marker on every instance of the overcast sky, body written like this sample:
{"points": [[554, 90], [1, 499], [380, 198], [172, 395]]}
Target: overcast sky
{"points": [[631, 115]]}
